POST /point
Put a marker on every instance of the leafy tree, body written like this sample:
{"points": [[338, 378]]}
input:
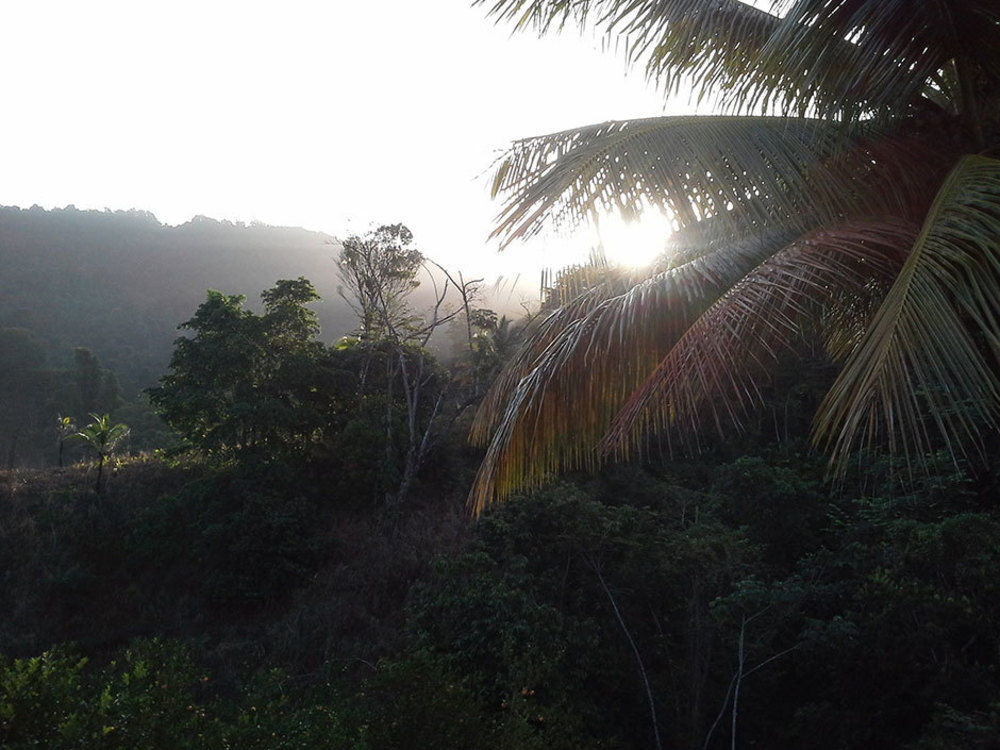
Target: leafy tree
{"points": [[378, 271], [208, 393], [254, 383], [103, 438], [864, 209], [97, 387]]}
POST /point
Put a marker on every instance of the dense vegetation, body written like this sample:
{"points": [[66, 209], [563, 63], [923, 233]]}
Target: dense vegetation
{"points": [[89, 307], [90, 302], [298, 569], [195, 605], [269, 587]]}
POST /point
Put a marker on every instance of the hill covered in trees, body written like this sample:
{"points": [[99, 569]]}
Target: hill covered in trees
{"points": [[119, 282]]}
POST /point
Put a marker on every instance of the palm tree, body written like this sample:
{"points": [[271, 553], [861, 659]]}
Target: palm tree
{"points": [[851, 187], [65, 429], [103, 438]]}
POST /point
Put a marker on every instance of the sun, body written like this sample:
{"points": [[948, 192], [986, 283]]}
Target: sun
{"points": [[637, 243]]}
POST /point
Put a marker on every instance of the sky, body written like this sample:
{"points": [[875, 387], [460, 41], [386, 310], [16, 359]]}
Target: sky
{"points": [[331, 115]]}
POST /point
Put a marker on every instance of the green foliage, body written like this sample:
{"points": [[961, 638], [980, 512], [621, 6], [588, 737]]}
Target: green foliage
{"points": [[378, 271], [39, 698], [152, 696], [525, 616], [142, 699], [842, 608], [235, 540], [824, 611], [98, 388], [102, 436], [255, 384], [416, 703], [35, 399], [272, 713]]}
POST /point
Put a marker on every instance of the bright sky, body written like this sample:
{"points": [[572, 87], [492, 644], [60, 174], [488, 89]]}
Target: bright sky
{"points": [[331, 115]]}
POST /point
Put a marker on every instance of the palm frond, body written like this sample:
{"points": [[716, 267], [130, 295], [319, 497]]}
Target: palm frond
{"points": [[713, 47], [893, 48], [839, 58], [716, 368], [933, 346], [746, 174], [552, 404], [541, 335]]}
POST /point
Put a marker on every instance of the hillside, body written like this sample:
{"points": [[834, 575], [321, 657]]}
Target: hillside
{"points": [[119, 282]]}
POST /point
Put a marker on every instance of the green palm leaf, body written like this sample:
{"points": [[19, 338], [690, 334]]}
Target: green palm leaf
{"points": [[746, 174], [932, 348], [892, 49], [835, 58]]}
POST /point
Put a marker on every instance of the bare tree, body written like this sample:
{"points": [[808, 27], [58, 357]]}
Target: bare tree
{"points": [[378, 272]]}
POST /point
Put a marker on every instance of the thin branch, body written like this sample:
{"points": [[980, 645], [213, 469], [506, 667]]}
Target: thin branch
{"points": [[635, 651]]}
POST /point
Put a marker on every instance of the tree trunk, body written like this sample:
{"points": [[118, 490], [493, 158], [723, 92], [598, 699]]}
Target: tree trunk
{"points": [[415, 456], [100, 471]]}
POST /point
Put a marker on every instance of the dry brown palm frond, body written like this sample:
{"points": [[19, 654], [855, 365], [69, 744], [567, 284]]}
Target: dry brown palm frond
{"points": [[540, 336], [932, 349], [716, 368], [550, 407]]}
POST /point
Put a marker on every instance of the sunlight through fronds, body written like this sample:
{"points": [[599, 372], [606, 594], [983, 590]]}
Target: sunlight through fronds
{"points": [[549, 408], [897, 92], [715, 371], [746, 173]]}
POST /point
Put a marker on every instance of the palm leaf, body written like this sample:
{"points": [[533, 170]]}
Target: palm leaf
{"points": [[894, 47], [832, 57], [715, 370], [549, 408], [713, 47], [933, 345], [747, 174], [541, 335]]}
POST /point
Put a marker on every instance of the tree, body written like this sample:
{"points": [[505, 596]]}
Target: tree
{"points": [[378, 272], [96, 388], [103, 438], [64, 429], [864, 206], [254, 383]]}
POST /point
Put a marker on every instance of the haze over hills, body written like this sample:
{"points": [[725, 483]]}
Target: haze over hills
{"points": [[120, 282]]}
